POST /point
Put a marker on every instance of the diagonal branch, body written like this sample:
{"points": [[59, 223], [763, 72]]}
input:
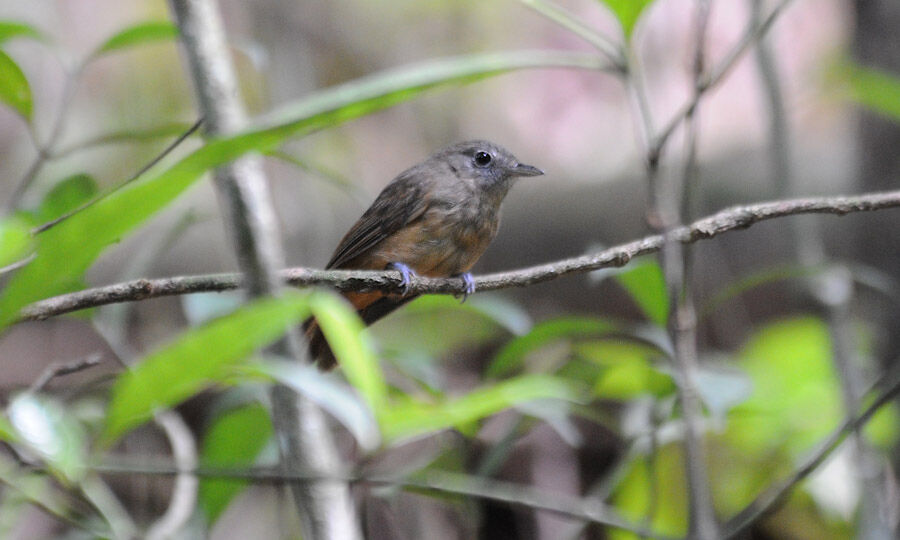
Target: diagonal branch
{"points": [[731, 219]]}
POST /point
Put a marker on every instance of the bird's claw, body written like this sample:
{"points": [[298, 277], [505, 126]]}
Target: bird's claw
{"points": [[406, 275], [469, 282]]}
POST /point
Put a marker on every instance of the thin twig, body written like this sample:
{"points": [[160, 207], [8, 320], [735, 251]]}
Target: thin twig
{"points": [[731, 219], [156, 159], [570, 22], [58, 370], [592, 510], [752, 34], [45, 150]]}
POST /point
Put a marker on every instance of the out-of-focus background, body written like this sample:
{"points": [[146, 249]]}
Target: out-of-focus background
{"points": [[577, 125]]}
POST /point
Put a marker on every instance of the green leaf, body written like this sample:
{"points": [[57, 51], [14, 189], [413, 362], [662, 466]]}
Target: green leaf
{"points": [[628, 369], [45, 426], [66, 251], [15, 29], [647, 286], [627, 12], [14, 89], [512, 356], [874, 89], [139, 34], [331, 394], [15, 239], [411, 419], [196, 359], [347, 338], [65, 196], [234, 439]]}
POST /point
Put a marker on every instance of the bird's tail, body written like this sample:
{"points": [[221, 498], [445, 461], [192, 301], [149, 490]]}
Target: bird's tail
{"points": [[321, 352]]}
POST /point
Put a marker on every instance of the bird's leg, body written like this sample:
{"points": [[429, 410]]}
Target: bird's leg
{"points": [[469, 282], [405, 274]]}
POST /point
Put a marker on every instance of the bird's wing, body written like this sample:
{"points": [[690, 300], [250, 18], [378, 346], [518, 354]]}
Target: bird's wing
{"points": [[403, 201]]}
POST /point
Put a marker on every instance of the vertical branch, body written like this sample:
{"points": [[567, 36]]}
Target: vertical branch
{"points": [[833, 290], [325, 506], [667, 203]]}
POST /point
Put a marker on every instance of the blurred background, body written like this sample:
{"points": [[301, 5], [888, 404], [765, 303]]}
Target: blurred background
{"points": [[579, 127]]}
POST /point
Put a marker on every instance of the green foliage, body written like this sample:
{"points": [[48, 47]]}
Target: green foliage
{"points": [[654, 489], [15, 239], [196, 359], [139, 34], [513, 355], [408, 418], [234, 439], [66, 195], [15, 91], [16, 29], [627, 12], [873, 88], [627, 369], [67, 250], [45, 427], [647, 286]]}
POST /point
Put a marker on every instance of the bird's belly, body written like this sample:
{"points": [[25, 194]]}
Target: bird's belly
{"points": [[438, 247]]}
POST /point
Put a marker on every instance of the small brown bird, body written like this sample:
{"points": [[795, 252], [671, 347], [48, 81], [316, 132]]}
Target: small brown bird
{"points": [[434, 219]]}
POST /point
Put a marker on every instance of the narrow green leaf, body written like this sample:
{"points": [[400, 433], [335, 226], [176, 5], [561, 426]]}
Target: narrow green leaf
{"points": [[874, 89], [15, 29], [627, 12], [139, 34], [413, 419], [14, 89], [511, 357], [15, 239], [234, 439], [647, 286], [196, 359], [347, 338], [61, 258]]}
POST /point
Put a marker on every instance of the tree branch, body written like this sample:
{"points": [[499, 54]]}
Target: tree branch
{"points": [[326, 507], [730, 219]]}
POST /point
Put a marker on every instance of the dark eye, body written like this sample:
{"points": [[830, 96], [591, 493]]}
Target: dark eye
{"points": [[482, 159]]}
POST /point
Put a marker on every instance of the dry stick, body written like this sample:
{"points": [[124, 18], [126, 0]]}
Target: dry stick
{"points": [[730, 219], [325, 507]]}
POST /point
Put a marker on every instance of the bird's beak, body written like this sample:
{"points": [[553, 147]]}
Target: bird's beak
{"points": [[526, 170]]}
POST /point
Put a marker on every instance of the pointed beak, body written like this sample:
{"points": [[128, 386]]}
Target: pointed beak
{"points": [[526, 170]]}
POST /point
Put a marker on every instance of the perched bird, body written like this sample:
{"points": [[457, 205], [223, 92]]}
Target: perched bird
{"points": [[434, 219]]}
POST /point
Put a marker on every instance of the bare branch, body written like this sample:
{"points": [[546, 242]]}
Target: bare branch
{"points": [[326, 508], [57, 370], [725, 221]]}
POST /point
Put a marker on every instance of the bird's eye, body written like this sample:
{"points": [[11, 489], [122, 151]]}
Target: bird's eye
{"points": [[482, 159]]}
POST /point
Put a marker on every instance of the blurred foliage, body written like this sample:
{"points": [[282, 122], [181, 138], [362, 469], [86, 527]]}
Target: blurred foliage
{"points": [[766, 405]]}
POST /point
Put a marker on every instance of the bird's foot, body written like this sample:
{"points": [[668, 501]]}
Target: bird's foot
{"points": [[469, 282], [406, 274]]}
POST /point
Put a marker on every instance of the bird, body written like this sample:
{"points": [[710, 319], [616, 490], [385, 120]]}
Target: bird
{"points": [[434, 219]]}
